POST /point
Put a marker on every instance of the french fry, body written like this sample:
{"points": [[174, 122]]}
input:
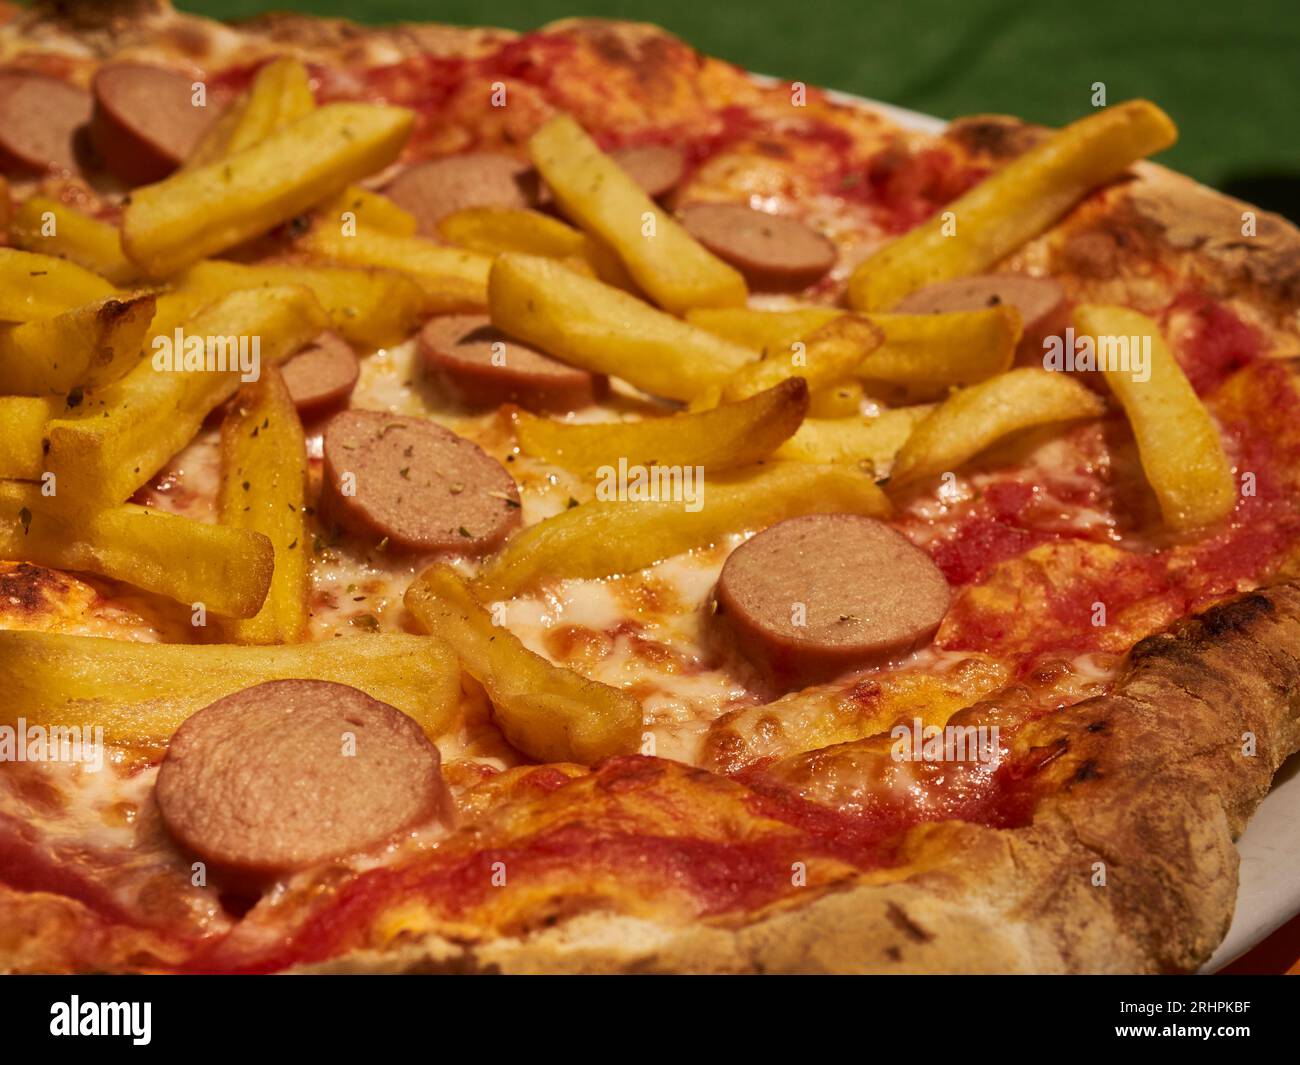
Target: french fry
{"points": [[927, 352], [668, 264], [1178, 443], [1013, 205], [124, 433], [841, 400], [977, 417], [548, 712], [453, 279], [493, 230], [53, 228], [227, 570], [279, 96], [870, 442], [370, 307], [140, 693], [831, 353], [603, 539], [263, 482], [763, 331], [733, 434], [41, 286], [195, 213], [87, 347], [22, 434], [371, 210], [603, 329]]}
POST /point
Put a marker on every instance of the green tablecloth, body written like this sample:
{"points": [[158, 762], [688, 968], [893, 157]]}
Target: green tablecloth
{"points": [[1227, 70]]}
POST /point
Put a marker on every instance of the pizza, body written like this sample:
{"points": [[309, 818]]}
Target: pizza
{"points": [[480, 502]]}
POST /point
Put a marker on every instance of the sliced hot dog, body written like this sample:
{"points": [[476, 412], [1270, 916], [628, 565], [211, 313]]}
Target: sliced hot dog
{"points": [[813, 597], [290, 773], [1040, 301], [775, 253], [415, 484], [482, 366], [40, 117], [437, 188], [145, 122], [322, 375], [657, 168]]}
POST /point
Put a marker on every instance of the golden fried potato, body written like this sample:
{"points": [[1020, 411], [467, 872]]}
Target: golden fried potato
{"points": [[548, 712], [140, 693], [53, 228], [977, 417], [871, 442], [1178, 442], [41, 286], [608, 537], [733, 434], [1013, 205], [263, 488]]}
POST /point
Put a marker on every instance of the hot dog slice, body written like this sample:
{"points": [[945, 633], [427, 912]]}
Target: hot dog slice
{"points": [[482, 366], [775, 253], [415, 484], [145, 122], [290, 773], [816, 596], [437, 188], [322, 375], [1040, 301], [657, 168], [39, 121]]}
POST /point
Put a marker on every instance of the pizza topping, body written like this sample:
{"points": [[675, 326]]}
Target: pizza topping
{"points": [[816, 596], [39, 120], [322, 375], [437, 188], [290, 773], [657, 168], [1040, 301], [774, 252], [145, 120], [481, 366], [392, 477]]}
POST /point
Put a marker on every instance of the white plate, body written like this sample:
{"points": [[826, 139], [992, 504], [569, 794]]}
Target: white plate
{"points": [[1269, 892]]}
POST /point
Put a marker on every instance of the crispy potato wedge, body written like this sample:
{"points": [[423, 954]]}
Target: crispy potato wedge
{"points": [[279, 96], [140, 693], [123, 434], [1013, 205], [831, 353], [871, 443], [977, 417], [41, 286], [603, 329], [603, 539], [362, 208], [453, 279], [263, 484], [52, 228], [733, 434], [85, 348], [227, 570], [548, 712], [370, 307], [22, 434], [1178, 442], [667, 263], [196, 213]]}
